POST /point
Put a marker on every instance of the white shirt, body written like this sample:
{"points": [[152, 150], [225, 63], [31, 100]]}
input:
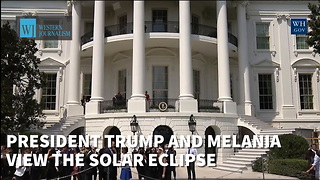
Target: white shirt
{"points": [[191, 151]]}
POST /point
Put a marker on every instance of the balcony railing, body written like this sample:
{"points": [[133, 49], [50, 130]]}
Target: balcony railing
{"points": [[211, 106], [154, 105], [169, 26], [111, 106]]}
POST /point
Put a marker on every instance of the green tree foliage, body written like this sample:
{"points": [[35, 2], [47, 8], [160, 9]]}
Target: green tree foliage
{"points": [[314, 25], [292, 147], [20, 77]]}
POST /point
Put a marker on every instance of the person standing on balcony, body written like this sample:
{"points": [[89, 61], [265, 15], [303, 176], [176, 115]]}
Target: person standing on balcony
{"points": [[119, 99], [148, 99]]}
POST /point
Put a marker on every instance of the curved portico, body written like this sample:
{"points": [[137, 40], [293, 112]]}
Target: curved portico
{"points": [[191, 38]]}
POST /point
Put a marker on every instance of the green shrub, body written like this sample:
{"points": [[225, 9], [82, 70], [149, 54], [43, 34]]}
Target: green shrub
{"points": [[257, 165], [292, 147], [289, 167]]}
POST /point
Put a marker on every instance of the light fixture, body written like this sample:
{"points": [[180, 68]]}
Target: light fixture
{"points": [[134, 124], [192, 124]]}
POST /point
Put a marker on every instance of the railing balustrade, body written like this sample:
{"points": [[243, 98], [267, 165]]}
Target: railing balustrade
{"points": [[169, 26]]}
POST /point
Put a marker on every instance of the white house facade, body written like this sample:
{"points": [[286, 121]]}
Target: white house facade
{"points": [[233, 65]]}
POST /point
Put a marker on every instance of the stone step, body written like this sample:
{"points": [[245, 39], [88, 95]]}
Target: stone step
{"points": [[240, 159], [228, 169], [251, 153], [245, 156], [241, 163], [236, 166]]}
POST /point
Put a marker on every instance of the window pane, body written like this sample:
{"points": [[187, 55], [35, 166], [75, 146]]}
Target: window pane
{"points": [[122, 85], [305, 89], [87, 85], [262, 35], [160, 84], [50, 43], [196, 84], [301, 42], [265, 91], [49, 92]]}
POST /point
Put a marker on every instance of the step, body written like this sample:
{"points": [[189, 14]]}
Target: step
{"points": [[254, 150], [241, 163], [240, 159], [228, 169], [236, 166], [245, 156], [251, 153]]}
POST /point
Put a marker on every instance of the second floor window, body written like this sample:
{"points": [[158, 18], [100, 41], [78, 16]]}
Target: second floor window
{"points": [[122, 82], [196, 84], [159, 20], [87, 85], [49, 92], [123, 24], [262, 35], [301, 42], [305, 89], [160, 84], [265, 91]]}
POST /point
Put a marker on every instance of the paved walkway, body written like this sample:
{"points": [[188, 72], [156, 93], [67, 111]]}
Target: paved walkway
{"points": [[210, 173]]}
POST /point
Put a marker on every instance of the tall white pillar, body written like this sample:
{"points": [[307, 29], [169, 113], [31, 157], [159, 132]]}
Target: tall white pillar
{"points": [[244, 77], [74, 71], [223, 52], [186, 99], [137, 102], [229, 107], [73, 103], [97, 58]]}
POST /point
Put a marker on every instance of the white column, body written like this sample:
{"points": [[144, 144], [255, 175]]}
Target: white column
{"points": [[93, 107], [73, 104], [186, 80], [137, 102], [74, 66], [223, 52], [138, 59], [244, 77], [187, 103], [98, 52]]}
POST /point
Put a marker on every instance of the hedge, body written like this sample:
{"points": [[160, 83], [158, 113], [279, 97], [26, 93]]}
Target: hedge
{"points": [[292, 147], [289, 167]]}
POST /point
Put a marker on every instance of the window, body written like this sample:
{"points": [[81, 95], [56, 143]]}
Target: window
{"points": [[50, 43], [195, 24], [196, 84], [87, 85], [49, 92], [159, 20], [89, 27], [122, 85], [305, 89], [123, 24], [160, 84], [301, 42], [265, 91], [262, 37]]}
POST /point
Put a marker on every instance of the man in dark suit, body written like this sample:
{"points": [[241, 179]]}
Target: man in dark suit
{"points": [[65, 171], [88, 170], [169, 168], [110, 172]]}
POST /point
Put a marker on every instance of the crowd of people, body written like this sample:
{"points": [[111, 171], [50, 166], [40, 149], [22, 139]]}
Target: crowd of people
{"points": [[87, 172]]}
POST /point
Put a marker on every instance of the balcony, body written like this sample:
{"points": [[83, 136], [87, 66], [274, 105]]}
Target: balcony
{"points": [[170, 26], [154, 105]]}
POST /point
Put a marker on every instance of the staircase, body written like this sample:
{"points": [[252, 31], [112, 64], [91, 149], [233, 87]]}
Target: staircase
{"points": [[65, 126], [242, 160]]}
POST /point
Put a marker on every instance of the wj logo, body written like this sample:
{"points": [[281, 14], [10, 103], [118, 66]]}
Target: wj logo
{"points": [[28, 28]]}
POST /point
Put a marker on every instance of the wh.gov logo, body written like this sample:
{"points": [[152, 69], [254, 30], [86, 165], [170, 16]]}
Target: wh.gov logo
{"points": [[28, 28]]}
